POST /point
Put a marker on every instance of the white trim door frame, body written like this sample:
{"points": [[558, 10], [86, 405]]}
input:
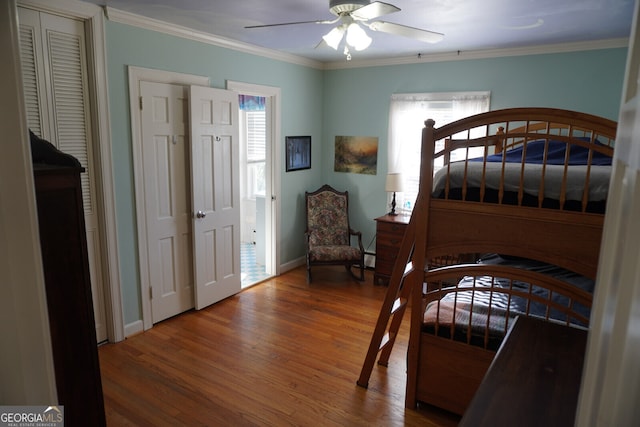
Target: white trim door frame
{"points": [[27, 369], [273, 166], [136, 75]]}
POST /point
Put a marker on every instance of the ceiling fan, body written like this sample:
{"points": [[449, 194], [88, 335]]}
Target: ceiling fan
{"points": [[350, 14]]}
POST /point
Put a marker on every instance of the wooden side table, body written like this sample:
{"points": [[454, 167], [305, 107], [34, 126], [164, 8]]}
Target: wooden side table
{"points": [[389, 233]]}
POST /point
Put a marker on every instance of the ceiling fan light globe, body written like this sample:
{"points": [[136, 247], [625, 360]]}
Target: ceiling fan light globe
{"points": [[357, 37], [333, 37]]}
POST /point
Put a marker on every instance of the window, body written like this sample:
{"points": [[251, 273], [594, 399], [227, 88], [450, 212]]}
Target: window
{"points": [[407, 114], [256, 152]]}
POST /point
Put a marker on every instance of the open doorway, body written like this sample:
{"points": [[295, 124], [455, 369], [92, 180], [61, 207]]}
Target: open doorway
{"points": [[253, 178], [258, 207]]}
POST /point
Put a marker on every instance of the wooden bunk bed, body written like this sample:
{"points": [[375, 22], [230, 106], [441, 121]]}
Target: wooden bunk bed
{"points": [[510, 228]]}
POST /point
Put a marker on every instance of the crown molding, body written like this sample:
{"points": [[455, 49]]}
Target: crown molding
{"points": [[482, 54], [128, 18], [122, 17], [80, 9]]}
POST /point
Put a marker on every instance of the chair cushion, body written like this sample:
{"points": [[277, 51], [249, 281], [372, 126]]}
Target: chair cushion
{"points": [[334, 253], [327, 219]]}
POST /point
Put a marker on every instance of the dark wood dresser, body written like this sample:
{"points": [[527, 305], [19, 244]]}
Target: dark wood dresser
{"points": [[389, 233], [534, 379], [68, 289]]}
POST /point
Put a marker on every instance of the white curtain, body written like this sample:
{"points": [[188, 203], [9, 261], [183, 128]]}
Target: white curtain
{"points": [[407, 114]]}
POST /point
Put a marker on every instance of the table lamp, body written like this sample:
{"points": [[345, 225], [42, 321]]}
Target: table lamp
{"points": [[394, 183]]}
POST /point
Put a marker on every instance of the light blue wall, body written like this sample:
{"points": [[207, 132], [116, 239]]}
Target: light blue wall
{"points": [[356, 103], [302, 94], [324, 104]]}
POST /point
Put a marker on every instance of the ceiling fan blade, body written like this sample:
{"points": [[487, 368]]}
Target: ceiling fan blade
{"points": [[403, 30], [373, 10], [294, 23]]}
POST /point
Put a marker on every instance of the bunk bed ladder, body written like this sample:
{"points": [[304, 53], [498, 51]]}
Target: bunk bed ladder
{"points": [[407, 274], [393, 308]]}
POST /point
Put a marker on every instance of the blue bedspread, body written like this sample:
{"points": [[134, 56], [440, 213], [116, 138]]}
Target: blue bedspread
{"points": [[537, 309], [555, 155]]}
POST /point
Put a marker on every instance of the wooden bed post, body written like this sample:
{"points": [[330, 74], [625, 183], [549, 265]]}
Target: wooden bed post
{"points": [[415, 280]]}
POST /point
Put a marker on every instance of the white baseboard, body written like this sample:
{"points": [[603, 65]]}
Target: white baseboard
{"points": [[292, 264], [133, 328], [369, 261]]}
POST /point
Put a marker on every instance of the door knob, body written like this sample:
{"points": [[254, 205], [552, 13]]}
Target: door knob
{"points": [[200, 214]]}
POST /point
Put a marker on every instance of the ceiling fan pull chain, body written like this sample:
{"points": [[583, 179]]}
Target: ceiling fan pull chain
{"points": [[347, 53]]}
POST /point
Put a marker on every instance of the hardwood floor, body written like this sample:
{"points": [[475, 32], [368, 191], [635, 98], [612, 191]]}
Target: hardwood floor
{"points": [[280, 353]]}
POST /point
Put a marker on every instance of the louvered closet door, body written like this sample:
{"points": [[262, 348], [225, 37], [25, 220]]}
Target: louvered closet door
{"points": [[58, 109]]}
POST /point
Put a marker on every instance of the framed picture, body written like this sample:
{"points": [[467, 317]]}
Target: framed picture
{"points": [[356, 154], [298, 153]]}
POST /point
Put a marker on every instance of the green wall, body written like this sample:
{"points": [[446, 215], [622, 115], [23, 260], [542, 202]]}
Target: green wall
{"points": [[324, 104], [301, 90], [356, 103]]}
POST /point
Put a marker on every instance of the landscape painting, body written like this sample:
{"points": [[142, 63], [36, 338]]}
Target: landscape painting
{"points": [[356, 154]]}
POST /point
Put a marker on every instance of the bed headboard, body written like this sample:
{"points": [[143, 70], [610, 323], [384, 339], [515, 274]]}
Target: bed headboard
{"points": [[504, 129], [525, 224]]}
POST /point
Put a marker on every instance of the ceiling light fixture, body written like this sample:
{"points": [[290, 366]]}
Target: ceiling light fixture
{"points": [[357, 38], [334, 37], [350, 14]]}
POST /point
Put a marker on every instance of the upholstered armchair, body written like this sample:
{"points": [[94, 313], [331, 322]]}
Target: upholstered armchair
{"points": [[328, 234]]}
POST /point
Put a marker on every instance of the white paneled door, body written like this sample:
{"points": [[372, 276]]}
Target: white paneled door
{"points": [[215, 193], [166, 198], [190, 170]]}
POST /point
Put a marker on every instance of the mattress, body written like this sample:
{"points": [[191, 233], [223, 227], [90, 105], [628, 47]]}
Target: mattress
{"points": [[522, 166], [483, 317], [532, 177]]}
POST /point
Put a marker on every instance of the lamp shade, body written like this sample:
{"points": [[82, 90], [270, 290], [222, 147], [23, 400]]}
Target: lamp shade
{"points": [[394, 182]]}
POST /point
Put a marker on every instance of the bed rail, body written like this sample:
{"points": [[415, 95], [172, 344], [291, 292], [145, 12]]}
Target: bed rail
{"points": [[498, 294]]}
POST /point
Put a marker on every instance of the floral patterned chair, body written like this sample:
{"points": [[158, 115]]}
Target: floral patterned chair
{"points": [[328, 234]]}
